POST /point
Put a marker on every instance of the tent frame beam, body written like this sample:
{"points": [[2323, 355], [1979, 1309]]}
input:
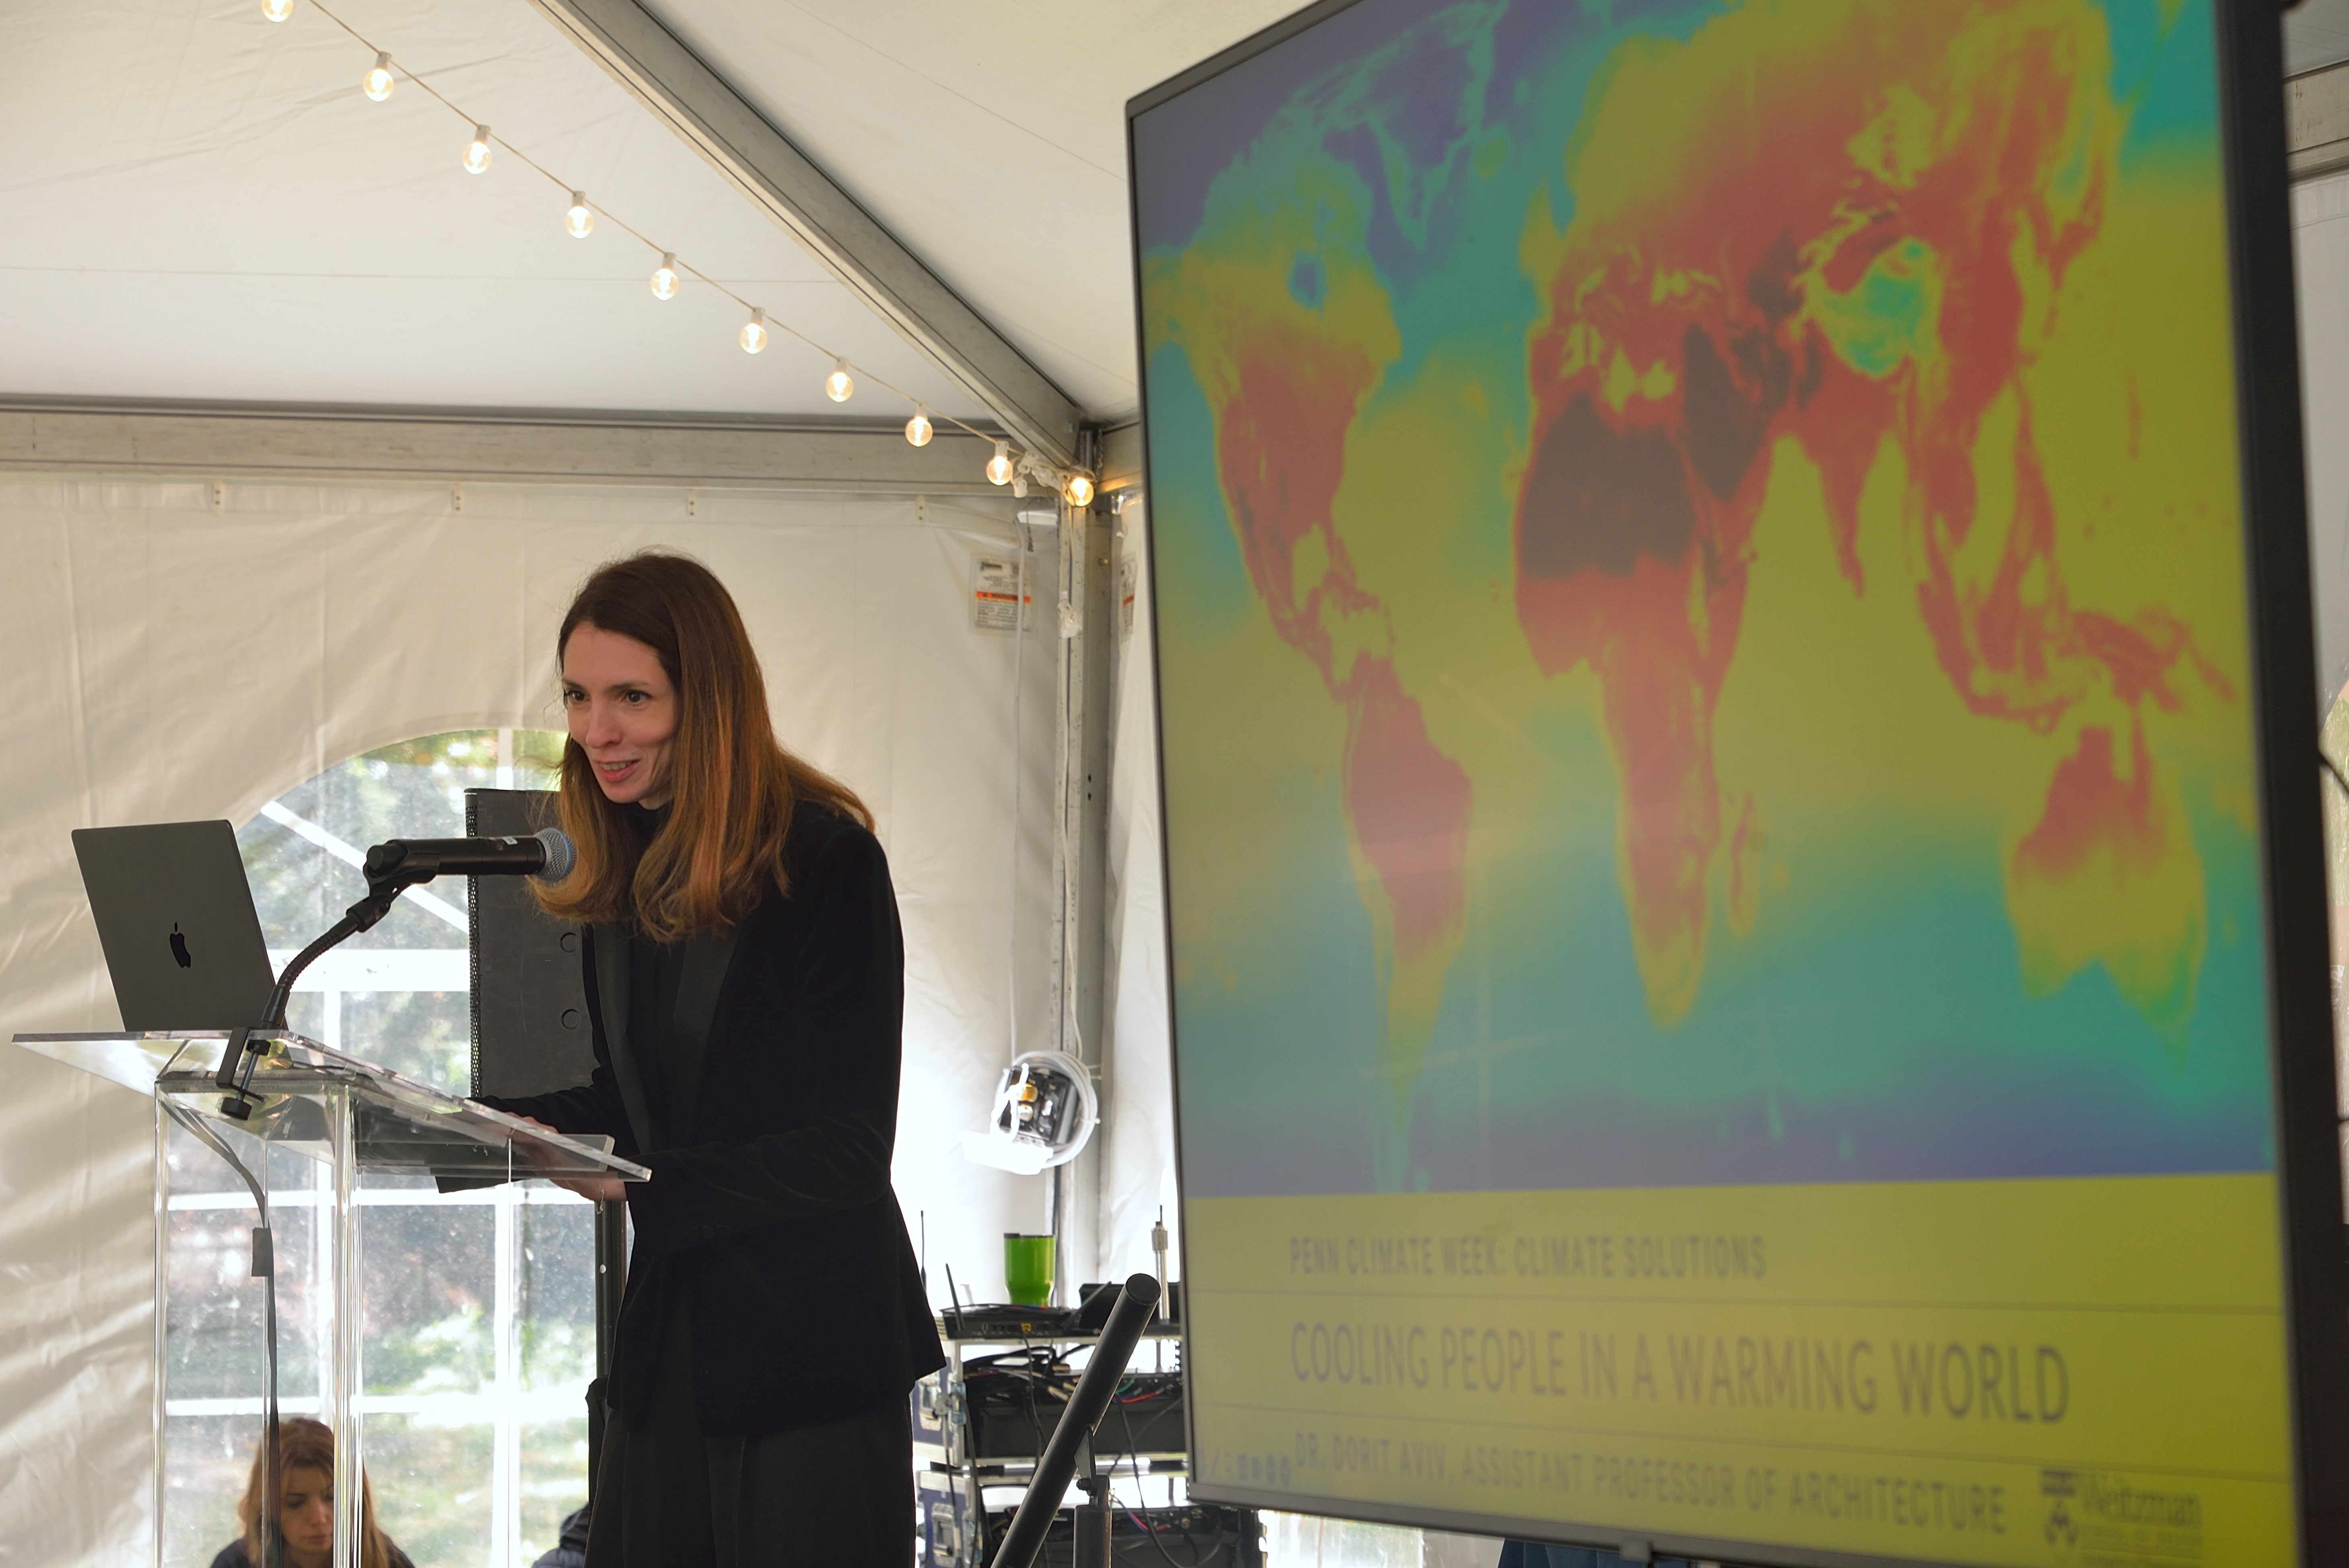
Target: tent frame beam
{"points": [[325, 443], [718, 123]]}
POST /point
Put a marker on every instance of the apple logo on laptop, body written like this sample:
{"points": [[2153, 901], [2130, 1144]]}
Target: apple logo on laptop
{"points": [[179, 948]]}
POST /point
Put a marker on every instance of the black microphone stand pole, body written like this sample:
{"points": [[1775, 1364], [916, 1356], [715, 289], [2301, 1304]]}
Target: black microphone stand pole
{"points": [[1135, 1302]]}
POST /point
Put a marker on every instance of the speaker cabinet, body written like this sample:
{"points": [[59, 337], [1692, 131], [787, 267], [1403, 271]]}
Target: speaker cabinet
{"points": [[530, 1004]]}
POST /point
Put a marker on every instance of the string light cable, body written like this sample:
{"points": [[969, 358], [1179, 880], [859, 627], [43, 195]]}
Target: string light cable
{"points": [[1019, 469]]}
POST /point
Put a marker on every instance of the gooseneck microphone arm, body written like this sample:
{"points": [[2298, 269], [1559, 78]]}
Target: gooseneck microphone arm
{"points": [[390, 867]]}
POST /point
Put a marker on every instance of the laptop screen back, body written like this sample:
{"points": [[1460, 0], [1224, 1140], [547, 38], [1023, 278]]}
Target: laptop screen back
{"points": [[175, 915]]}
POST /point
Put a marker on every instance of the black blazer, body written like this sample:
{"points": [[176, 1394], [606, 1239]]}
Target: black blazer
{"points": [[769, 1219]]}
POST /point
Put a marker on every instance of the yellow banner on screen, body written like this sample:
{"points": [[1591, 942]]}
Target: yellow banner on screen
{"points": [[1993, 1372]]}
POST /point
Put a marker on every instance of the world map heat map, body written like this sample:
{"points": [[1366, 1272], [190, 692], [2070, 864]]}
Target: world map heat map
{"points": [[1701, 605]]}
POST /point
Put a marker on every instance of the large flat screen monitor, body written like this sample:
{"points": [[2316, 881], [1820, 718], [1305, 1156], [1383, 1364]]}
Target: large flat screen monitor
{"points": [[1747, 939]]}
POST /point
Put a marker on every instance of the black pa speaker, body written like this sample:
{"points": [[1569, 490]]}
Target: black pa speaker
{"points": [[530, 1003]]}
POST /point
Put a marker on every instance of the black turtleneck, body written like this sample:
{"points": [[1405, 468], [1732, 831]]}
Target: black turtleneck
{"points": [[671, 1064]]}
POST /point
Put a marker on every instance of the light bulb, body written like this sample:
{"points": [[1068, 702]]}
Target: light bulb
{"points": [[917, 429], [754, 332], [999, 466], [277, 10], [477, 152], [840, 385], [664, 276], [376, 84], [581, 219], [1078, 490]]}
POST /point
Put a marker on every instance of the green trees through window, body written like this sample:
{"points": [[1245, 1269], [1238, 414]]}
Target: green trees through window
{"points": [[396, 995]]}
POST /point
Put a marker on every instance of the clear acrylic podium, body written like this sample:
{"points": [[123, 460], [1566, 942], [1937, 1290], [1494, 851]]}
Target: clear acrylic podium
{"points": [[326, 1136]]}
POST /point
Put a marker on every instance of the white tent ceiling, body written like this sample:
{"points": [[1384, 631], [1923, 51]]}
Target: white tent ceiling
{"points": [[199, 203], [991, 138]]}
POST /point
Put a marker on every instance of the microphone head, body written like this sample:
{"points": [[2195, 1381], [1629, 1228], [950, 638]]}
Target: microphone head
{"points": [[560, 854]]}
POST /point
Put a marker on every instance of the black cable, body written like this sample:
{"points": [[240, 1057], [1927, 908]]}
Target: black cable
{"points": [[1037, 1365], [1133, 1453], [1080, 1421], [995, 1382], [1035, 1420], [264, 1257], [998, 1383]]}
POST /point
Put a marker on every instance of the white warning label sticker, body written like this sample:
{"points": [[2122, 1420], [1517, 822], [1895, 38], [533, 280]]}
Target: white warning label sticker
{"points": [[995, 596]]}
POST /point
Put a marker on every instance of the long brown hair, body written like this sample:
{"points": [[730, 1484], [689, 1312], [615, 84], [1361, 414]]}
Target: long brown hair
{"points": [[731, 784], [302, 1444]]}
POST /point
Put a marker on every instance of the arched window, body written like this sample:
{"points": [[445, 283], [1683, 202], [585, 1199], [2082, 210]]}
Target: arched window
{"points": [[396, 995]]}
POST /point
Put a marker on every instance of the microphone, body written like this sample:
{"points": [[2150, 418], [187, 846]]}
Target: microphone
{"points": [[396, 863]]}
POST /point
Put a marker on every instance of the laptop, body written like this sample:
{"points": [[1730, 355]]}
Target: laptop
{"points": [[175, 915]]}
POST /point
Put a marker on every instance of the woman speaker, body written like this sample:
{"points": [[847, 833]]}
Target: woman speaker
{"points": [[745, 980]]}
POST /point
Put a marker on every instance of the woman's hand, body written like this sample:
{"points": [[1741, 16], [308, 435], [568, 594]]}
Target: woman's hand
{"points": [[594, 1189]]}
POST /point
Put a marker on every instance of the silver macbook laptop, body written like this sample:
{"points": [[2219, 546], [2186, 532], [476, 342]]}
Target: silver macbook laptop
{"points": [[175, 914]]}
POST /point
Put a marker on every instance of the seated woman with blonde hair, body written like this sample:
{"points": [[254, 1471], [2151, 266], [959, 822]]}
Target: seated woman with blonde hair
{"points": [[303, 1534]]}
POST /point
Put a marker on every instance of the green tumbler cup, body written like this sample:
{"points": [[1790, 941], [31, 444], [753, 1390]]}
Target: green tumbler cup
{"points": [[1028, 1268]]}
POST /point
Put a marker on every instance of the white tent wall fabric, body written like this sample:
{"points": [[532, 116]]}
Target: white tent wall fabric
{"points": [[176, 652]]}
